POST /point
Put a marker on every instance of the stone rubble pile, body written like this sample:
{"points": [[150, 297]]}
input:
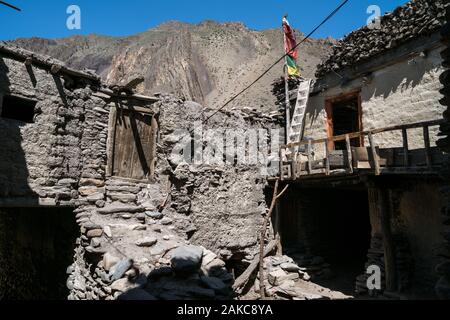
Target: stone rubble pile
{"points": [[315, 266], [185, 272], [282, 277], [414, 19]]}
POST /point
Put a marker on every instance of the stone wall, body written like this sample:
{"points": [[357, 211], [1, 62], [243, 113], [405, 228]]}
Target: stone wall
{"points": [[403, 93], [62, 160], [40, 162], [219, 207]]}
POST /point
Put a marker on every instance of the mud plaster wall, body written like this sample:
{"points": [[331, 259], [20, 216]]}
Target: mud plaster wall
{"points": [[403, 93]]}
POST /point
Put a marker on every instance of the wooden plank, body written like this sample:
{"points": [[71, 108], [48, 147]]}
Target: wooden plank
{"points": [[349, 153], [327, 160], [294, 168], [388, 242], [245, 276], [405, 147], [310, 158], [380, 223], [426, 138], [118, 145], [281, 164], [112, 121], [153, 146], [374, 155]]}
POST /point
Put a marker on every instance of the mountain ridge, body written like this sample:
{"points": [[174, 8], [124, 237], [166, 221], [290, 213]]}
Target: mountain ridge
{"points": [[206, 62]]}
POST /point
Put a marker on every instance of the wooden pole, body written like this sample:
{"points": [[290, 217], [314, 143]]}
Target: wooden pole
{"points": [[388, 242], [405, 147], [310, 157], [287, 98], [376, 161], [380, 221], [327, 152], [426, 138], [349, 153], [275, 199]]}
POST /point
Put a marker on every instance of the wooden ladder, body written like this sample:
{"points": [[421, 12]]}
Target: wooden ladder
{"points": [[298, 119], [296, 128]]}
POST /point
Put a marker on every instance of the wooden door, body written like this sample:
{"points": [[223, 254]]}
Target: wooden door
{"points": [[134, 143]]}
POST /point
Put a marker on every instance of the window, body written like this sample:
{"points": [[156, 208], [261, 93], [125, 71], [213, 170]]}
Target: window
{"points": [[134, 145], [344, 116], [17, 108]]}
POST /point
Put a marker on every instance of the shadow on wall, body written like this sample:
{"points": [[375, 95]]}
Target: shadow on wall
{"points": [[14, 172], [400, 78], [36, 248]]}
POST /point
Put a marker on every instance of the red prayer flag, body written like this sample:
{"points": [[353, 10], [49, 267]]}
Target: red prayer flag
{"points": [[289, 40]]}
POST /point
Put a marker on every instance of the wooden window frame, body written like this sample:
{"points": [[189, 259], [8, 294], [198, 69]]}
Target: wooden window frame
{"points": [[329, 118], [110, 144]]}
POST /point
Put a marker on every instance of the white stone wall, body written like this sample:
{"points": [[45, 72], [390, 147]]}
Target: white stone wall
{"points": [[403, 93]]}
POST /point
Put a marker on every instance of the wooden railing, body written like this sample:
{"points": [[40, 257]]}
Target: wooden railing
{"points": [[287, 150]]}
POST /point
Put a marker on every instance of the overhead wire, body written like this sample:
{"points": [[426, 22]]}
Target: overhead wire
{"points": [[331, 15]]}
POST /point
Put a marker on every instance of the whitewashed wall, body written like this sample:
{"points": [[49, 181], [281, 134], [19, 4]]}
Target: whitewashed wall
{"points": [[404, 93]]}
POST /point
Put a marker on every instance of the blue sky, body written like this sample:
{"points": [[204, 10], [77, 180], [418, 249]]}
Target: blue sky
{"points": [[47, 18]]}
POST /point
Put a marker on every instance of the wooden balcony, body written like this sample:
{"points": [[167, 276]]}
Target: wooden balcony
{"points": [[371, 160]]}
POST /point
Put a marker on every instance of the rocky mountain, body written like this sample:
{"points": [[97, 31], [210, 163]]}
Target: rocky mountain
{"points": [[206, 62]]}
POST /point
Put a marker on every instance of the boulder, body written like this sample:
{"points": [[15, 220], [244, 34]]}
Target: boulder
{"points": [[95, 233], [290, 267], [166, 221], [278, 276], [147, 242], [154, 215], [109, 261], [122, 285], [120, 269], [215, 284], [186, 260]]}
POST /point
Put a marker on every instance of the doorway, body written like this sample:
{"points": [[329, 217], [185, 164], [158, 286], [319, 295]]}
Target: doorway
{"points": [[36, 248], [329, 238], [344, 116]]}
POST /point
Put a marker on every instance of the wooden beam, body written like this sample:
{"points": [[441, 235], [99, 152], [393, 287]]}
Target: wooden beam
{"points": [[110, 141], [281, 164], [376, 161], [24, 55], [242, 280], [405, 147], [154, 144], [310, 158], [349, 153], [327, 153], [426, 138], [388, 242]]}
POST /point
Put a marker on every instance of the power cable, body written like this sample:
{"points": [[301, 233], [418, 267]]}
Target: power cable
{"points": [[278, 61]]}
